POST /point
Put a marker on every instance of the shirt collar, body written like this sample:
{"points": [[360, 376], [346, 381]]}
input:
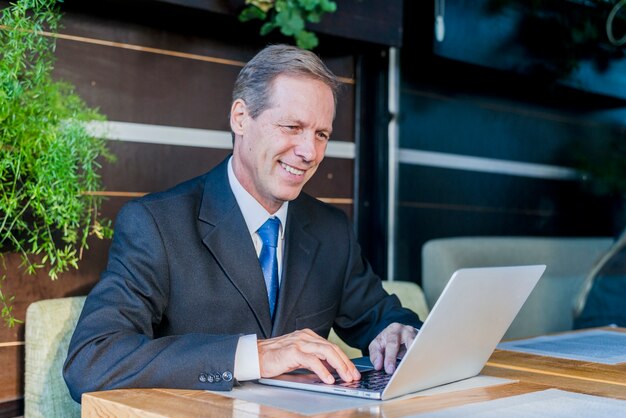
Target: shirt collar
{"points": [[253, 212]]}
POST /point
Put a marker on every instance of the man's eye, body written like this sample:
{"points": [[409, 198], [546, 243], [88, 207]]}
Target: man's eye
{"points": [[291, 128], [322, 136]]}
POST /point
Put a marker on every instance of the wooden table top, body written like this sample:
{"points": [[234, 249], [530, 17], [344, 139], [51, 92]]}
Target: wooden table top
{"points": [[194, 403], [531, 373]]}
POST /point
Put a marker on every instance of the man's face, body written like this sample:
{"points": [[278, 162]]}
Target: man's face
{"points": [[278, 152]]}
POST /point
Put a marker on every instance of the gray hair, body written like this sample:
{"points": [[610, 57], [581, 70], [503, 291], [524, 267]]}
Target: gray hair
{"points": [[254, 82]]}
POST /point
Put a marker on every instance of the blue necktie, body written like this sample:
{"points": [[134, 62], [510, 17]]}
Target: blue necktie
{"points": [[269, 263]]}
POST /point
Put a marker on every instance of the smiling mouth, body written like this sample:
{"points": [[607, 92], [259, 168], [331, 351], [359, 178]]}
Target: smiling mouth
{"points": [[292, 170]]}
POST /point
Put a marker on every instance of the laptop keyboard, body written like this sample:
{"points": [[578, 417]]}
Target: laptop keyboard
{"points": [[371, 380]]}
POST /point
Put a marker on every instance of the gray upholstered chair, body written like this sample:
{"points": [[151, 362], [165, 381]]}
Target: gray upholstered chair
{"points": [[551, 304], [49, 327]]}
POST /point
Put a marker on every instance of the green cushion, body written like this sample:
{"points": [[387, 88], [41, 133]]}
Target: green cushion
{"points": [[49, 328], [411, 297]]}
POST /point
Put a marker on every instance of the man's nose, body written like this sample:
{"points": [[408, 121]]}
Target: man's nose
{"points": [[306, 146]]}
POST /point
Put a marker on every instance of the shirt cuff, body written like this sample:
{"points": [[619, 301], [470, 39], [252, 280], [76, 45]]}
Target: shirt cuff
{"points": [[247, 359]]}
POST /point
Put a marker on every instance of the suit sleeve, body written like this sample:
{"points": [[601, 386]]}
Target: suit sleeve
{"points": [[114, 343], [366, 308]]}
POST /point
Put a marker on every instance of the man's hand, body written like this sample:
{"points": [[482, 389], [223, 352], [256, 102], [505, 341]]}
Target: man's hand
{"points": [[389, 344], [304, 349]]}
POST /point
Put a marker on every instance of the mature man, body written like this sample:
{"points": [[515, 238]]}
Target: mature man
{"points": [[236, 274]]}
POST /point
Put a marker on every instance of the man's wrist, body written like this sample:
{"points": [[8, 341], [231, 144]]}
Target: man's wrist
{"points": [[247, 359]]}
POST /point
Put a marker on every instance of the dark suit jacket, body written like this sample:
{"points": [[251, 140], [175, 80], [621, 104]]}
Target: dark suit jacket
{"points": [[183, 282]]}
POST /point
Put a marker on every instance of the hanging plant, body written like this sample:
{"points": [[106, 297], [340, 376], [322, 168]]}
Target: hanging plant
{"points": [[559, 35], [48, 160], [290, 16]]}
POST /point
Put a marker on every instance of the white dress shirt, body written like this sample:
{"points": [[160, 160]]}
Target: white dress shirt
{"points": [[247, 357]]}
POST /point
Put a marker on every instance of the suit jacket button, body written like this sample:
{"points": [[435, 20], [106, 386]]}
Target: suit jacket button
{"points": [[203, 377], [217, 377], [210, 378], [227, 376]]}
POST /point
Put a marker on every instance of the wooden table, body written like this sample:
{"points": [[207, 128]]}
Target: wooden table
{"points": [[532, 373], [577, 376]]}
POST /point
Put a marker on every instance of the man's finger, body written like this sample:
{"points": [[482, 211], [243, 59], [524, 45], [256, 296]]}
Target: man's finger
{"points": [[391, 353], [376, 354], [333, 355], [391, 342], [344, 367], [304, 349], [311, 362], [351, 368]]}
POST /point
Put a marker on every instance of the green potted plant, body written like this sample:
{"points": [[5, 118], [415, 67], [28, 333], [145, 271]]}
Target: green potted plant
{"points": [[48, 160], [289, 16]]}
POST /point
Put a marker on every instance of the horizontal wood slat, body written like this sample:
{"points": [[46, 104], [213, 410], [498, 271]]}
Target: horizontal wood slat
{"points": [[330, 200], [11, 344], [160, 51]]}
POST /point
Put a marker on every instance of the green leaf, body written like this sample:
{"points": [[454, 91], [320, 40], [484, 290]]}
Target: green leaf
{"points": [[290, 22], [250, 13], [327, 6], [308, 4], [282, 5], [314, 17], [306, 40], [267, 28]]}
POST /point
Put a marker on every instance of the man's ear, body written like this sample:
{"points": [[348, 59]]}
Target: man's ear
{"points": [[238, 116]]}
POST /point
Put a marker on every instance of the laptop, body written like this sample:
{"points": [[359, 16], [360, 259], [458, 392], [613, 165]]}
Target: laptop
{"points": [[469, 319]]}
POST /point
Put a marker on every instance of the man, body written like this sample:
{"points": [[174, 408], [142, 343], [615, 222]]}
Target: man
{"points": [[195, 294]]}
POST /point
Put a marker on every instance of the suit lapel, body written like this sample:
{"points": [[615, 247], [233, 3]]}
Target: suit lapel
{"points": [[299, 255], [225, 234]]}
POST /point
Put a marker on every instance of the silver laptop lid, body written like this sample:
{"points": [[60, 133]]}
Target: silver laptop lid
{"points": [[463, 328]]}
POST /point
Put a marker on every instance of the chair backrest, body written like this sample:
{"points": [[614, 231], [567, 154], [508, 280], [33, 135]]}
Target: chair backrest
{"points": [[49, 327], [411, 297], [550, 306]]}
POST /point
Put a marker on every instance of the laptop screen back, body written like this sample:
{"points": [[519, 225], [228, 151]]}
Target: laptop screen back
{"points": [[463, 328]]}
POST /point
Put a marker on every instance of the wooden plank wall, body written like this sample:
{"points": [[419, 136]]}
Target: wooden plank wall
{"points": [[173, 70]]}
